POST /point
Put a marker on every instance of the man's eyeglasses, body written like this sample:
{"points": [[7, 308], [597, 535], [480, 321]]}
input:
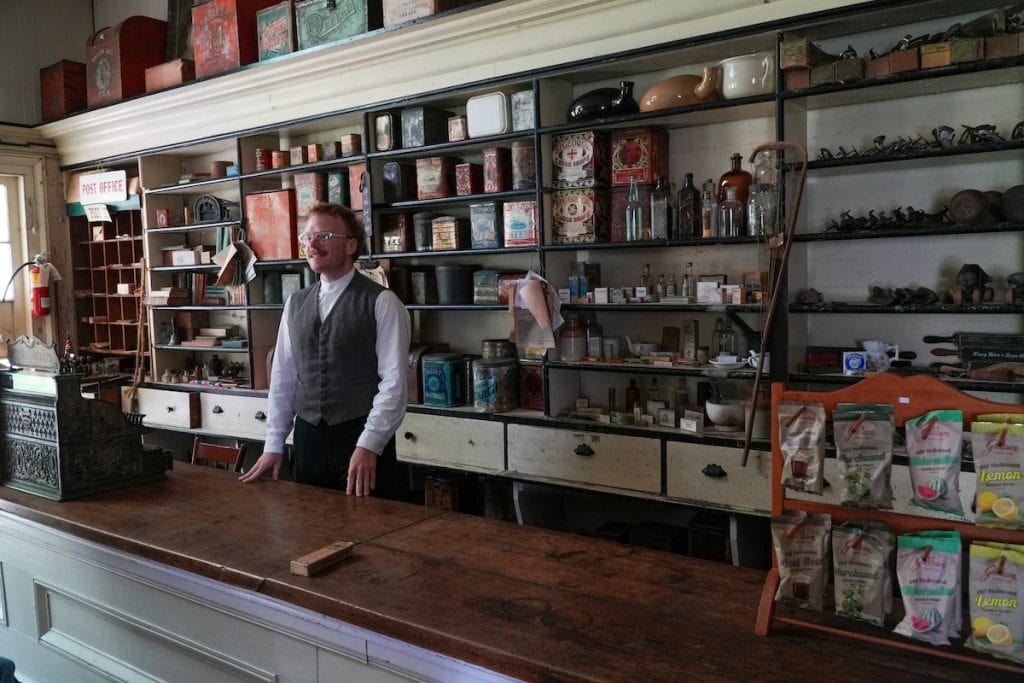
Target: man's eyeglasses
{"points": [[322, 237]]}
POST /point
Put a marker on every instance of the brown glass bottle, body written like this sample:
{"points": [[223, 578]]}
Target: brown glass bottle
{"points": [[688, 223], [735, 177]]}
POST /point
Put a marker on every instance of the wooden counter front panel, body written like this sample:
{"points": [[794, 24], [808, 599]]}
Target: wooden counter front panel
{"points": [[625, 462], [234, 415], [473, 445], [745, 489]]}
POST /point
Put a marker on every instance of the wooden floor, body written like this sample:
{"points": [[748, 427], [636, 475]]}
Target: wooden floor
{"points": [[532, 603]]}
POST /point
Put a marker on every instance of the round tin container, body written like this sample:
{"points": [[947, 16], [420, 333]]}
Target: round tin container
{"points": [[263, 159], [494, 349], [423, 230], [524, 166], [495, 385]]}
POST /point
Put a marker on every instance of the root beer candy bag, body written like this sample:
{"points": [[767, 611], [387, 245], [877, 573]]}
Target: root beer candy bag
{"points": [[801, 541], [864, 445], [995, 591], [860, 560], [934, 442], [802, 442], [928, 571], [999, 462]]}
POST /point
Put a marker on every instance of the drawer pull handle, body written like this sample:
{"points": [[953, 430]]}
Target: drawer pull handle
{"points": [[583, 449], [217, 410], [170, 409], [713, 470], [260, 415], [409, 436]]}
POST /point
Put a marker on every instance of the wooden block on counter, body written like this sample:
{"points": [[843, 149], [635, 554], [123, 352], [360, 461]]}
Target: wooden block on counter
{"points": [[963, 50], [1009, 45], [321, 559]]}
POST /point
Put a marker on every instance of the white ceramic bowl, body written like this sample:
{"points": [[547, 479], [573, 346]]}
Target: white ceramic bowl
{"points": [[727, 413], [747, 75]]}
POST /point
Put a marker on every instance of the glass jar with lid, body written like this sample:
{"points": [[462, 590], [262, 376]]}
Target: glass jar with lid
{"points": [[572, 338]]}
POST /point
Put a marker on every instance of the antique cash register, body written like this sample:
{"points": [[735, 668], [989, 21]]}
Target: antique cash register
{"points": [[59, 445]]}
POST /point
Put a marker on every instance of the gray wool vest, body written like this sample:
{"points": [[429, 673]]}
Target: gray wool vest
{"points": [[336, 359]]}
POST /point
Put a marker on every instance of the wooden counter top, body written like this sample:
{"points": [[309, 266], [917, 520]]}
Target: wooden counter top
{"points": [[528, 602]]}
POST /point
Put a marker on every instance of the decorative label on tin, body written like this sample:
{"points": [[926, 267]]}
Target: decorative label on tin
{"points": [[274, 31], [467, 179], [579, 160], [520, 224], [523, 111], [324, 21], [497, 169], [446, 233], [573, 216], [337, 188], [485, 231], [386, 132], [640, 154], [432, 177], [524, 166]]}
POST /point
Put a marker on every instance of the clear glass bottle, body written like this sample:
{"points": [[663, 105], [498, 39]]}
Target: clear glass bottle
{"points": [[671, 287], [689, 287], [661, 288], [595, 339], [731, 215], [708, 212], [645, 278], [728, 341], [762, 202], [611, 401], [634, 213], [680, 399], [688, 203], [716, 338], [654, 399], [659, 210], [632, 395]]}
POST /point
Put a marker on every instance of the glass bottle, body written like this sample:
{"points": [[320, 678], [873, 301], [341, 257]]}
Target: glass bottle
{"points": [[680, 399], [688, 203], [661, 288], [632, 395], [762, 204], [735, 177], [689, 287], [708, 212], [716, 337], [671, 288], [595, 339], [611, 401], [654, 399], [634, 213], [645, 278], [731, 215], [659, 210], [572, 338], [728, 342]]}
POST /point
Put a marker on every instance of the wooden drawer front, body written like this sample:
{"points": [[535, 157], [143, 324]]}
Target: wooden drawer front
{"points": [[625, 462], [742, 488], [164, 408], [241, 416], [476, 445]]}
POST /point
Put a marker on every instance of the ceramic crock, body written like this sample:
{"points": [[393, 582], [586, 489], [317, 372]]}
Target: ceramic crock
{"points": [[747, 75]]}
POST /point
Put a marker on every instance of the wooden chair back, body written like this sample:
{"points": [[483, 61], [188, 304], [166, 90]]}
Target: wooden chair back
{"points": [[214, 455]]}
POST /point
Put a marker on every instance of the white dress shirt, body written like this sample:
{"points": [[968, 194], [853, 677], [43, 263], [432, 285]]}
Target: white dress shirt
{"points": [[393, 335]]}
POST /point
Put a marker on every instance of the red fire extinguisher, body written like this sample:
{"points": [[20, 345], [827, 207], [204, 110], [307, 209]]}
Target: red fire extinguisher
{"points": [[40, 275]]}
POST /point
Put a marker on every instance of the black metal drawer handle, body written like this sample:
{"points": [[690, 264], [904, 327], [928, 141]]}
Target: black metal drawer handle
{"points": [[260, 415], [170, 409], [583, 449], [409, 436], [713, 470], [217, 410]]}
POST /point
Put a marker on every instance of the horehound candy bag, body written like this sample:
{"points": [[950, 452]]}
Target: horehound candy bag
{"points": [[996, 596], [802, 442], [999, 462], [933, 447], [928, 571], [801, 541], [864, 445], [860, 560]]}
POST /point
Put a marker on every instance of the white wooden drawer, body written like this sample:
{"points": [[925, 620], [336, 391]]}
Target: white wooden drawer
{"points": [[625, 462], [475, 445], [165, 408], [239, 416], [744, 489]]}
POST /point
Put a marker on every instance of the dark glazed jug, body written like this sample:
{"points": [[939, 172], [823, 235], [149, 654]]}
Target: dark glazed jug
{"points": [[603, 102]]}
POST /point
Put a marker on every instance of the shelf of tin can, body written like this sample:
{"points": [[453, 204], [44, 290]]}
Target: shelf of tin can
{"points": [[193, 227], [841, 307], [322, 165], [956, 150], [671, 307], [200, 307], [962, 383], [282, 263], [654, 244], [473, 145], [453, 252], [457, 307], [530, 193], [196, 186], [640, 367], [902, 230]]}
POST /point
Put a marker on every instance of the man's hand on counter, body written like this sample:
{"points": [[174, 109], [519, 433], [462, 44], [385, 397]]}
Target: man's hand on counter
{"points": [[267, 463], [362, 472]]}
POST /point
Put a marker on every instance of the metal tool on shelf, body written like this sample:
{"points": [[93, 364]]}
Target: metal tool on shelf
{"points": [[779, 270]]}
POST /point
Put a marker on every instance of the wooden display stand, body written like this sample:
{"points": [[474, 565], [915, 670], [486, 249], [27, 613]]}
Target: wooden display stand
{"points": [[911, 397]]}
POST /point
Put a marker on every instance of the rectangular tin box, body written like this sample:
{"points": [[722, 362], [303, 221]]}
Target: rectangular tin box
{"points": [[579, 216], [641, 153], [580, 160]]}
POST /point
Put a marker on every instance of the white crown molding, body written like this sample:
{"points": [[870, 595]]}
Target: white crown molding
{"points": [[492, 41], [21, 141]]}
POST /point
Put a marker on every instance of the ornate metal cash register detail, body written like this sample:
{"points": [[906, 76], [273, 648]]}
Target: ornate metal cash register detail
{"points": [[59, 445]]}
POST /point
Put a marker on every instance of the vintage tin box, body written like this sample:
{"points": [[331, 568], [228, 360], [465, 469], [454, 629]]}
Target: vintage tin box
{"points": [[935, 55], [641, 153], [275, 30], [801, 53], [414, 377], [117, 59], [271, 226], [224, 34], [424, 285], [531, 385], [524, 166], [1009, 45], [497, 169], [315, 152], [520, 224], [469, 179], [298, 154], [424, 126], [62, 89], [457, 128], [387, 131], [876, 68], [357, 181], [904, 60], [580, 159], [523, 110], [399, 181], [485, 225], [435, 177], [310, 189], [965, 50], [849, 69], [401, 11], [396, 232], [485, 288], [507, 283], [449, 233], [798, 79], [351, 144], [319, 22], [823, 74], [331, 150], [487, 114], [170, 74], [579, 216], [337, 187], [443, 381]]}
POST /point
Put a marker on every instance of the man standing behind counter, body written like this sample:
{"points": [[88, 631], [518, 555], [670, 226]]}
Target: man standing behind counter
{"points": [[339, 369]]}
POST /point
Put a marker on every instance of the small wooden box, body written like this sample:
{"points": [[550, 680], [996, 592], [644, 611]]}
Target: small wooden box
{"points": [[310, 189], [117, 59], [469, 179], [434, 177], [275, 30], [319, 22], [904, 60], [351, 145], [497, 169], [964, 50], [798, 79], [801, 54], [823, 74], [224, 35], [936, 55], [272, 228], [62, 89], [877, 67], [640, 154], [356, 186], [170, 74], [1009, 45]]}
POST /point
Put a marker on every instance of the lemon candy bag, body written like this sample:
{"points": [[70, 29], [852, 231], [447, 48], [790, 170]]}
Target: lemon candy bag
{"points": [[999, 462], [928, 571], [996, 592]]}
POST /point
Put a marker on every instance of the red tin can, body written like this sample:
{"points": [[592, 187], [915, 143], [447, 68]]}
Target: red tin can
{"points": [[579, 216], [434, 177], [580, 159], [279, 159], [520, 222], [468, 179], [497, 169], [524, 166], [640, 154], [263, 159], [117, 59]]}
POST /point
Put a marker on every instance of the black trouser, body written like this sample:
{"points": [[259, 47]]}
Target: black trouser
{"points": [[323, 452]]}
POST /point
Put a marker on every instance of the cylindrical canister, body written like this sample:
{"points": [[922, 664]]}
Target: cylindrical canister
{"points": [[263, 159], [524, 166], [495, 385], [493, 349], [423, 230], [280, 159], [467, 374]]}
